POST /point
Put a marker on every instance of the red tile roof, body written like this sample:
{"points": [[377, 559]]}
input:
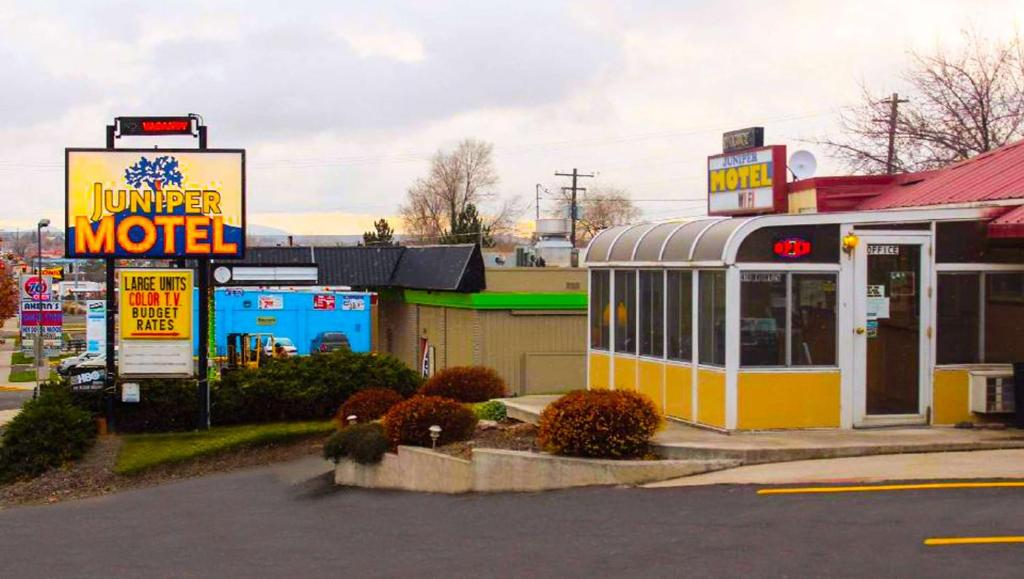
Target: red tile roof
{"points": [[992, 176]]}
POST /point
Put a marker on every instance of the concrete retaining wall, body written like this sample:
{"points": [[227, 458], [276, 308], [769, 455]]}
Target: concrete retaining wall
{"points": [[492, 470], [411, 469]]}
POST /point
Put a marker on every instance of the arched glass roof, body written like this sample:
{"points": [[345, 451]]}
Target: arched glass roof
{"points": [[673, 241]]}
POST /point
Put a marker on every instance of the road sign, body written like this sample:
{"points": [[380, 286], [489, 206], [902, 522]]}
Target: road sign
{"points": [[34, 287], [95, 325]]}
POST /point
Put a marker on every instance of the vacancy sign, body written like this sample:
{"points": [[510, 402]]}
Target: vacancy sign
{"points": [[155, 307]]}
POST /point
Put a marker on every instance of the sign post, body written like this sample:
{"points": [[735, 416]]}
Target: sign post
{"points": [[171, 204]]}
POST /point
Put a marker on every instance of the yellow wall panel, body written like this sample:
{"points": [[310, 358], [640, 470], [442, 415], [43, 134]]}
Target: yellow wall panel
{"points": [[650, 382], [788, 400], [711, 397], [679, 391], [951, 397], [598, 377], [625, 373]]}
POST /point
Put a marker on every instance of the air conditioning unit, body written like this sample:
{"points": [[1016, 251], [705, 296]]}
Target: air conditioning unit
{"points": [[992, 392]]}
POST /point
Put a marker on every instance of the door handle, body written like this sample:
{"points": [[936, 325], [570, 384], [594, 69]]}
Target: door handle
{"points": [[860, 330]]}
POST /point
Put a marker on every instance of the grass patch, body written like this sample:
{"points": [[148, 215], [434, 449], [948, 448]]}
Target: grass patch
{"points": [[144, 451], [22, 376], [21, 358]]}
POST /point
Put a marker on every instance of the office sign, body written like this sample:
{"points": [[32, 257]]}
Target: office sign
{"points": [[159, 204], [747, 182], [155, 315], [95, 326]]}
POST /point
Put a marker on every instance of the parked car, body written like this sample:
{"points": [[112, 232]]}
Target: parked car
{"points": [[330, 341], [273, 343], [65, 365]]}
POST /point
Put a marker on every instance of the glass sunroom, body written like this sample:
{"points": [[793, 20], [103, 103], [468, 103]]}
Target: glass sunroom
{"points": [[829, 320]]}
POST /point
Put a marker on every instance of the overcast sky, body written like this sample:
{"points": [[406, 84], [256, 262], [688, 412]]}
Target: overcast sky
{"points": [[341, 104]]}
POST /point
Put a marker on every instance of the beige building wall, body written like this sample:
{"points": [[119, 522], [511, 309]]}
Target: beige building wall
{"points": [[535, 351], [536, 279]]}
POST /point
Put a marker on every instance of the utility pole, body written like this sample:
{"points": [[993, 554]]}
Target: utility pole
{"points": [[894, 102], [572, 204]]}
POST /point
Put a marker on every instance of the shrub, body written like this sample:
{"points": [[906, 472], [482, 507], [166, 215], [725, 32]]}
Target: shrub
{"points": [[409, 421], [599, 424], [368, 405], [48, 432], [306, 387], [491, 410], [363, 443], [164, 405], [465, 384]]}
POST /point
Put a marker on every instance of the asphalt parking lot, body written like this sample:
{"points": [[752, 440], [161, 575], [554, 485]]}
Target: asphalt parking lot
{"points": [[252, 524]]}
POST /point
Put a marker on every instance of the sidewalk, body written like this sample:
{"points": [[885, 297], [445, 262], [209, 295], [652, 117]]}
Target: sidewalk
{"points": [[988, 464], [680, 441]]}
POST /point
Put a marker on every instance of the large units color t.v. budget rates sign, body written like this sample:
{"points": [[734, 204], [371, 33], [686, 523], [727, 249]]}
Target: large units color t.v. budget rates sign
{"points": [[155, 315], [155, 203]]}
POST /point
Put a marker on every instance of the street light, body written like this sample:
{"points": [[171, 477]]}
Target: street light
{"points": [[39, 297]]}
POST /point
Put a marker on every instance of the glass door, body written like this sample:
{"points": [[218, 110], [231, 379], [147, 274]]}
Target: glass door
{"points": [[891, 330]]}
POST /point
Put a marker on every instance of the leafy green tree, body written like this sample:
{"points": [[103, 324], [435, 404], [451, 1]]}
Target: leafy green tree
{"points": [[382, 235]]}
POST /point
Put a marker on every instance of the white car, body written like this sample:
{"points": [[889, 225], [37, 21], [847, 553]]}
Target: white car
{"points": [[285, 343], [68, 363]]}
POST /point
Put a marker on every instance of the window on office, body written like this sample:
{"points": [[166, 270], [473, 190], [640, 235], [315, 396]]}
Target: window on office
{"points": [[625, 311], [600, 309], [679, 314], [1004, 317], [813, 319], [763, 318], [787, 319], [959, 323], [652, 304], [711, 317]]}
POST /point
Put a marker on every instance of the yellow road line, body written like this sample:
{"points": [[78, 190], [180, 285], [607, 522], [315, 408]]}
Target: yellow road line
{"points": [[940, 541], [902, 487]]}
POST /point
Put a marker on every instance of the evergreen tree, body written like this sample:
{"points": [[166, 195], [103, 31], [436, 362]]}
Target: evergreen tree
{"points": [[468, 228], [382, 235]]}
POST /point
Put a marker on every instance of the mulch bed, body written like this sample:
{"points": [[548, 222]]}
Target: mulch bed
{"points": [[506, 435], [94, 475]]}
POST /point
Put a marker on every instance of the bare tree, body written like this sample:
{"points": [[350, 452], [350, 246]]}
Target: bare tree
{"points": [[961, 104], [600, 207], [462, 177]]}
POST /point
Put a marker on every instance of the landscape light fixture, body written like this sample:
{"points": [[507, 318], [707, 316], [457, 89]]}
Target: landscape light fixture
{"points": [[435, 433], [352, 419]]}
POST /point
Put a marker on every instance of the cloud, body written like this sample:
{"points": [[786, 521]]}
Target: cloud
{"points": [[341, 104]]}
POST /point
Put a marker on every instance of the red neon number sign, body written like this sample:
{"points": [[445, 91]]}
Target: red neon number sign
{"points": [[792, 248]]}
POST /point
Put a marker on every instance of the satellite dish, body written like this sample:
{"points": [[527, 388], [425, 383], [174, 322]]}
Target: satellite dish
{"points": [[802, 164]]}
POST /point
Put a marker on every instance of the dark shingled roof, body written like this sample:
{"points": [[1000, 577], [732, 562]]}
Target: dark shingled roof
{"points": [[441, 267], [275, 256], [436, 267], [357, 266]]}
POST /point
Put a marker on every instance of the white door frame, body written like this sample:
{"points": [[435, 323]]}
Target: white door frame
{"points": [[923, 239]]}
